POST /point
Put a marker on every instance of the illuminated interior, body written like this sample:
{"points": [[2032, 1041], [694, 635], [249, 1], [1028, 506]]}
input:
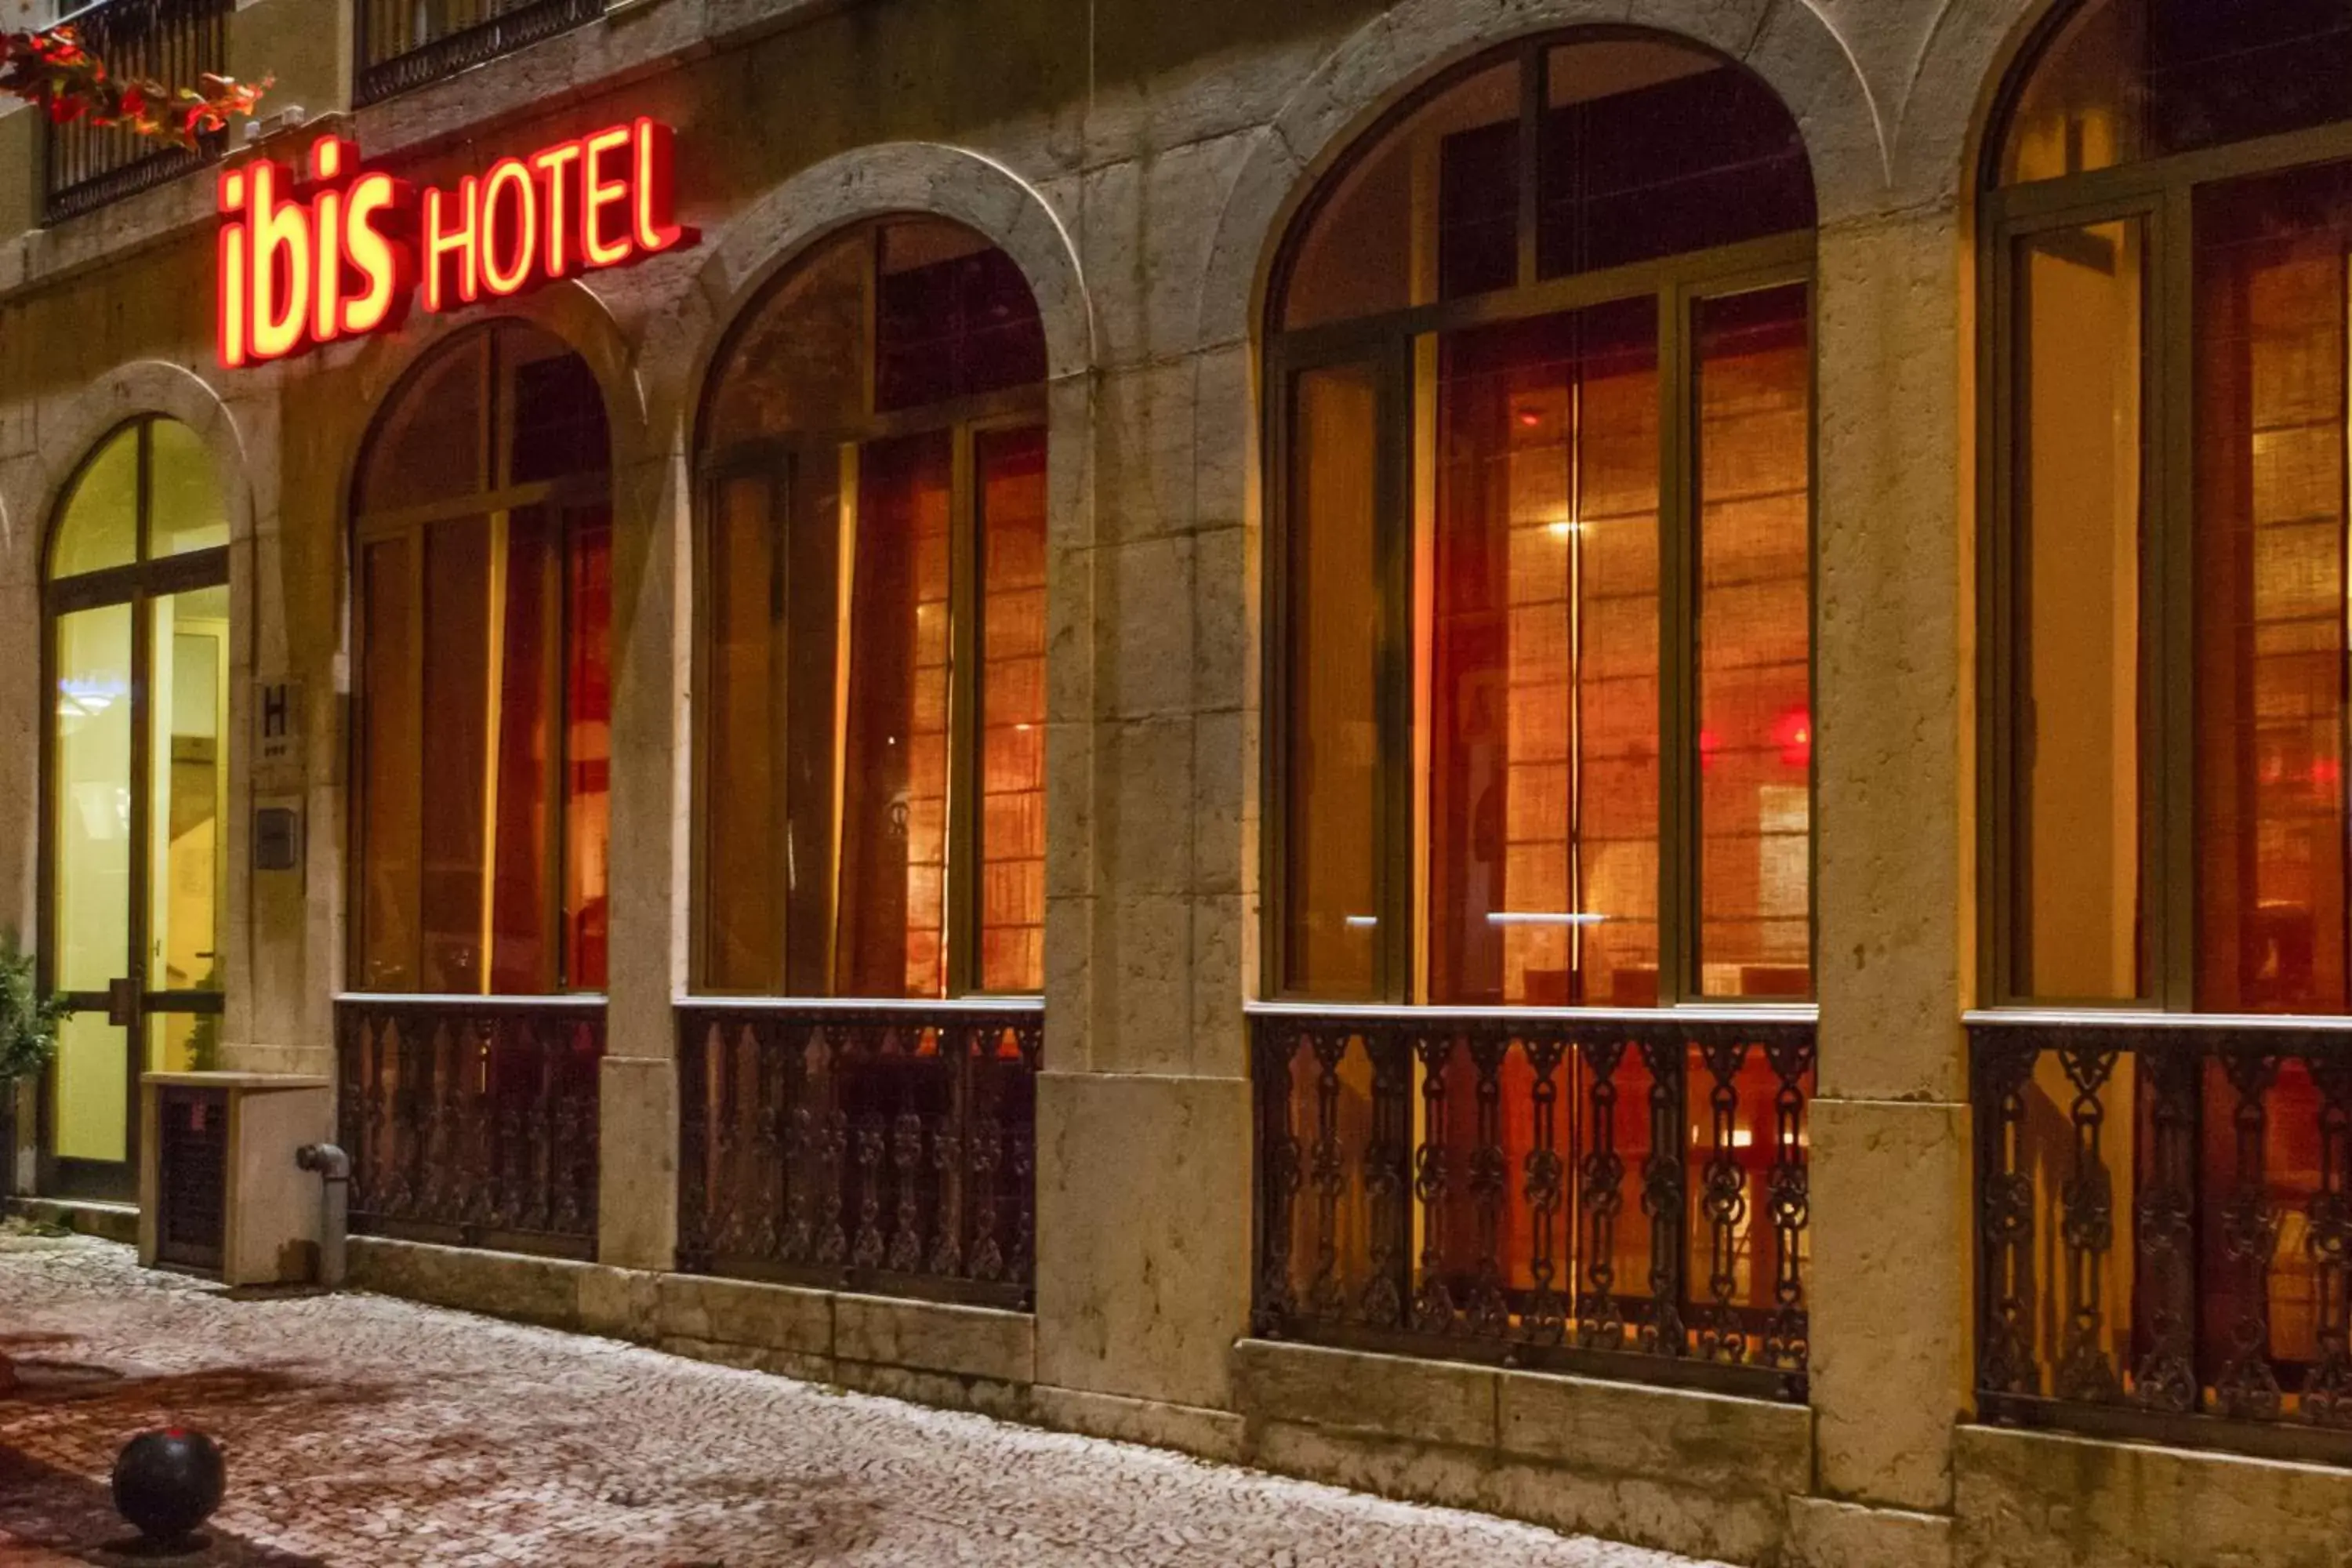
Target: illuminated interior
{"points": [[1516, 466], [137, 782], [871, 674], [2255, 359], [484, 555]]}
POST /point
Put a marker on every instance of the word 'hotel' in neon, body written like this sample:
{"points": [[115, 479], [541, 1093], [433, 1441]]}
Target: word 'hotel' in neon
{"points": [[345, 252]]}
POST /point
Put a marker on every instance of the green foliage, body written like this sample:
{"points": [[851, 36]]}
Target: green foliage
{"points": [[28, 1020]]}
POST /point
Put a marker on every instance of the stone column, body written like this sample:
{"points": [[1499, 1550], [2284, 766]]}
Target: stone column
{"points": [[1144, 1112], [636, 1205], [1890, 1286]]}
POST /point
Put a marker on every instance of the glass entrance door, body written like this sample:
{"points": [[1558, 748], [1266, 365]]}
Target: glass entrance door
{"points": [[138, 785]]}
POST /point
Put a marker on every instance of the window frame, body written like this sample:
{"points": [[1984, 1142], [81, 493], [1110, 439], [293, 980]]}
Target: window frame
{"points": [[776, 457], [565, 498], [2160, 194], [1386, 341], [136, 585]]}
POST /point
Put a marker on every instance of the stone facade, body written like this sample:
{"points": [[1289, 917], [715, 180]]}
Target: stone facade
{"points": [[1141, 162]]}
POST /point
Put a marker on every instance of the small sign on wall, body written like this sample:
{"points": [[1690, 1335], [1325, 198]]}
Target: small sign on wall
{"points": [[276, 838], [278, 726]]}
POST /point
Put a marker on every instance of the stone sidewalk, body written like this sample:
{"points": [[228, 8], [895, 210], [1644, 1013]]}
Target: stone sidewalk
{"points": [[366, 1430]]}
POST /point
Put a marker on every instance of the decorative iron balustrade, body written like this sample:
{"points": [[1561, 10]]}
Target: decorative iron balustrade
{"points": [[2165, 1229], [472, 1120], [1622, 1194], [883, 1148], [85, 166], [405, 44]]}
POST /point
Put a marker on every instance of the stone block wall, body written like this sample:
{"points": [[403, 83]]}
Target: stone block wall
{"points": [[1141, 162]]}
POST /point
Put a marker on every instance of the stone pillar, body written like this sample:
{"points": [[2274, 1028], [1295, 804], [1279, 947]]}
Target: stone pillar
{"points": [[1890, 1288], [1144, 1110], [636, 1205]]}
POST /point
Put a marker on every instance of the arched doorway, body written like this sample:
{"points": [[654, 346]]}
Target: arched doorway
{"points": [[134, 854], [469, 1041]]}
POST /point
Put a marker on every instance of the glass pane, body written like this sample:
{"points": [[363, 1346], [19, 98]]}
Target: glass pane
{"points": [[1011, 468], [559, 410], [798, 361], [427, 446], [954, 318], [1331, 838], [93, 1110], [2075, 844], [588, 752], [2126, 79], [1543, 805], [186, 511], [1433, 204], [520, 643], [100, 527], [188, 882], [743, 631], [391, 797], [2272, 282], [93, 804], [895, 772], [458, 682], [1652, 148], [813, 715], [1754, 375], [184, 1042]]}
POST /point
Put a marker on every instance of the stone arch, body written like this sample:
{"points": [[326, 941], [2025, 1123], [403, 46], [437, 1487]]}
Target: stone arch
{"points": [[72, 431], [70, 434], [924, 177], [570, 310], [1787, 43], [1968, 58]]}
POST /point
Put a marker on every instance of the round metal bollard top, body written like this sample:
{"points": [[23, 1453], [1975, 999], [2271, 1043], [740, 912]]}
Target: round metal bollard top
{"points": [[168, 1483]]}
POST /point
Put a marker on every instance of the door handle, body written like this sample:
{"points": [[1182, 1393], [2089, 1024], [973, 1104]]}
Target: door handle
{"points": [[122, 1003]]}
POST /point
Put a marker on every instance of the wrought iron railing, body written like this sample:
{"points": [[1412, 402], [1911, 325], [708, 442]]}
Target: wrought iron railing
{"points": [[171, 41], [887, 1148], [404, 44], [2165, 1229], [472, 1120], [1621, 1193]]}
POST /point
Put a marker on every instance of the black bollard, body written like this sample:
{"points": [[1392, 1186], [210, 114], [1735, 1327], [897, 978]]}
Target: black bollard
{"points": [[168, 1483]]}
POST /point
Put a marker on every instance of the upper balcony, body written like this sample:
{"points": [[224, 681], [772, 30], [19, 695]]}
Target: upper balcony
{"points": [[394, 47], [84, 167], [404, 44]]}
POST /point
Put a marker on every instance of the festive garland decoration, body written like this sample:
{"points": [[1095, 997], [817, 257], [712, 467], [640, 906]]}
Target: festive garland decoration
{"points": [[53, 70]]}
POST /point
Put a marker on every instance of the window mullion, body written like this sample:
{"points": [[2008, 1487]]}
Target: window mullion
{"points": [[781, 481], [962, 888], [1399, 864], [1530, 172], [1677, 838], [2170, 485]]}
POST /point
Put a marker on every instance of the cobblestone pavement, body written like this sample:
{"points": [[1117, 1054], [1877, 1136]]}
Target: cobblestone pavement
{"points": [[366, 1430]]}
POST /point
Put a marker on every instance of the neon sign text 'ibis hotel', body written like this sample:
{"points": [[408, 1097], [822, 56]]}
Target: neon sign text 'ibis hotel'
{"points": [[347, 251]]}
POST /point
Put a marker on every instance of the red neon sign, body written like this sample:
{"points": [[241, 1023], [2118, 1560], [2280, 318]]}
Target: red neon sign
{"points": [[344, 252]]}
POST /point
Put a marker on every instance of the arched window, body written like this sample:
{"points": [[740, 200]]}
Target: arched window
{"points": [[482, 567], [137, 868], [2168, 261], [1539, 707], [870, 676]]}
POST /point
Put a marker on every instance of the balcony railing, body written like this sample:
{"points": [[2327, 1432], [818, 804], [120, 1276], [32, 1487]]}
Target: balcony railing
{"points": [[1622, 1194], [84, 167], [472, 1120], [882, 1148], [404, 44], [2165, 1221]]}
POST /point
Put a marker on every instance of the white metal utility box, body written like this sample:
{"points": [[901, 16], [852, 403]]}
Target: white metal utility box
{"points": [[219, 1192]]}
